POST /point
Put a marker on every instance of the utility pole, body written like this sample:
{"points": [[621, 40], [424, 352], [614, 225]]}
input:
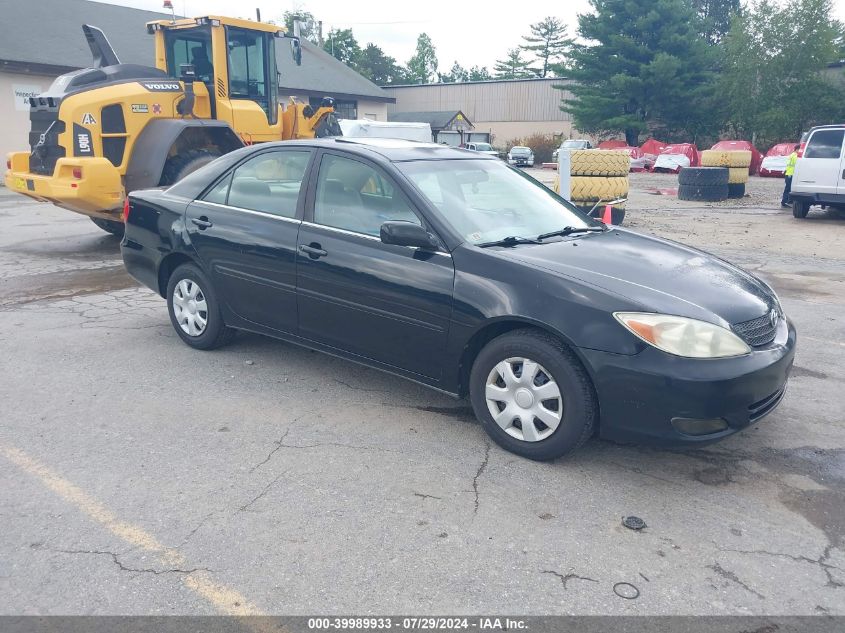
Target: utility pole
{"points": [[320, 33]]}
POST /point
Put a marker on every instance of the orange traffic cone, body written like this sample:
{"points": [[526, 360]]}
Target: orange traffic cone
{"points": [[607, 216]]}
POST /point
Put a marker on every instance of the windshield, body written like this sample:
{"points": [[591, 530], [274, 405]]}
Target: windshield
{"points": [[520, 150], [483, 147], [573, 144], [486, 201]]}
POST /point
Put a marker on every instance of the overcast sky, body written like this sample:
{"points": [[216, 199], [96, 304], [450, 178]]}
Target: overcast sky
{"points": [[473, 33]]}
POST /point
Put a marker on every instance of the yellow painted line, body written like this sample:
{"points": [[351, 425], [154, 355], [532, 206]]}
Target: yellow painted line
{"points": [[224, 599]]}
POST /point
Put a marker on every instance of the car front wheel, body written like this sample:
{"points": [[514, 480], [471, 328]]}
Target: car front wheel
{"points": [[194, 310], [800, 209], [532, 395]]}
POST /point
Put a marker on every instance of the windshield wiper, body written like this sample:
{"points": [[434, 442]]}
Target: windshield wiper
{"points": [[569, 230], [510, 240]]}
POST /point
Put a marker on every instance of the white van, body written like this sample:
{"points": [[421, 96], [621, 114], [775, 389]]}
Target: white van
{"points": [[819, 176]]}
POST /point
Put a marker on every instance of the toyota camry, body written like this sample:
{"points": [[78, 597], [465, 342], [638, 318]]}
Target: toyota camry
{"points": [[454, 270]]}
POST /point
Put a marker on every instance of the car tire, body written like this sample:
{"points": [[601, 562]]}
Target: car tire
{"points": [[576, 405], [707, 176], [703, 193], [180, 166], [187, 318], [800, 209], [110, 226], [736, 190]]}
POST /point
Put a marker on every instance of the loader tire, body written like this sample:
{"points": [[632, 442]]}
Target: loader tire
{"points": [[599, 162], [737, 175], [180, 166], [703, 176], [704, 193], [595, 188], [736, 190], [719, 158], [110, 226]]}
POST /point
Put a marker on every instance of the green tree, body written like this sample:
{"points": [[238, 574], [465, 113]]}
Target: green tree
{"points": [[422, 67], [379, 68], [642, 68], [456, 74], [341, 44], [549, 43], [775, 82], [307, 24], [513, 66], [716, 16], [479, 73]]}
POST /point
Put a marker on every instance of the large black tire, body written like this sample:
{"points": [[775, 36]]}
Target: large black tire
{"points": [[215, 333], [800, 209], [707, 176], [705, 193], [580, 411], [736, 190], [110, 226], [180, 166]]}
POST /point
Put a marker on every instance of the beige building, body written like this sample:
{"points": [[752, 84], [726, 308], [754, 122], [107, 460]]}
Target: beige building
{"points": [[504, 109], [46, 41]]}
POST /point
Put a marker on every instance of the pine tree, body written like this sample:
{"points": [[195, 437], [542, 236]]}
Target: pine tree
{"points": [[456, 74], [643, 67], [513, 66], [549, 43]]}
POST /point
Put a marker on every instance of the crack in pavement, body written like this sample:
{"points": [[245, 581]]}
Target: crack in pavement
{"points": [[123, 567], [263, 492], [821, 561], [425, 496], [279, 443], [729, 575], [481, 469], [565, 578]]}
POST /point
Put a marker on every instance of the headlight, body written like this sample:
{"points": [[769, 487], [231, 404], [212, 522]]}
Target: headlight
{"points": [[681, 336]]}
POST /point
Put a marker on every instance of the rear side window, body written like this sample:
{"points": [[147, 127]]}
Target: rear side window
{"points": [[825, 144], [269, 182]]}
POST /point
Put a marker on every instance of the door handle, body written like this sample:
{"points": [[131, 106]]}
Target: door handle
{"points": [[313, 250], [202, 222]]}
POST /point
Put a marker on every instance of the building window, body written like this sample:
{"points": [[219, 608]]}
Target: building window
{"points": [[343, 109], [371, 117]]}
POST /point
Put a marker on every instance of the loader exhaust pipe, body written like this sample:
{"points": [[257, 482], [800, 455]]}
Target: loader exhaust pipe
{"points": [[101, 50]]}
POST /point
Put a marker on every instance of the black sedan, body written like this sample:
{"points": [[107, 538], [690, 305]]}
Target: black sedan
{"points": [[461, 273]]}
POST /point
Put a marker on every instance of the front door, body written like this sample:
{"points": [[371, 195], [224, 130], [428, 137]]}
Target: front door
{"points": [[245, 232], [820, 168], [391, 304]]}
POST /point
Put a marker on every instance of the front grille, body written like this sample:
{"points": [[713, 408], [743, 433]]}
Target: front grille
{"points": [[764, 406], [759, 331]]}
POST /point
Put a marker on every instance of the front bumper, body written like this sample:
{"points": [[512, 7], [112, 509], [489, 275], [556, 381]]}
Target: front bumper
{"points": [[521, 162], [98, 193], [640, 395]]}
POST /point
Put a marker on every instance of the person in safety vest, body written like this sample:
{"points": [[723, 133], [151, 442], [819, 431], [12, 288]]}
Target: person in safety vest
{"points": [[790, 170]]}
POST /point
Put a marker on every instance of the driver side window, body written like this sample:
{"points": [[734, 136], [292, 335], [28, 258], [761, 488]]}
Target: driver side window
{"points": [[358, 198]]}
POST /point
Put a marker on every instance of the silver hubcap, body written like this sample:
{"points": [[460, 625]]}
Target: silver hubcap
{"points": [[524, 399], [190, 307]]}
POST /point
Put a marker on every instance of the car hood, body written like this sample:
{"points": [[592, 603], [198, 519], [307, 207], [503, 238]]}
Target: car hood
{"points": [[655, 275]]}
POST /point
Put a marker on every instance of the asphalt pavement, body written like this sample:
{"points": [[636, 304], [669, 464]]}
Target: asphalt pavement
{"points": [[143, 477]]}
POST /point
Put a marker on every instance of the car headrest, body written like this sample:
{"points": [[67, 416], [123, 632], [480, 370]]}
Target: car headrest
{"points": [[251, 187]]}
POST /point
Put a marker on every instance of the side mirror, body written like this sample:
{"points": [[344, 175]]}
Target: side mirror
{"points": [[296, 50], [407, 234]]}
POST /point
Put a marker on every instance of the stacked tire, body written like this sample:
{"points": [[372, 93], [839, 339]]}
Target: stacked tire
{"points": [[705, 184], [599, 176], [737, 163]]}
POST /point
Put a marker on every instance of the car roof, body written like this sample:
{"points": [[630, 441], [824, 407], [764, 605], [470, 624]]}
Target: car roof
{"points": [[393, 149]]}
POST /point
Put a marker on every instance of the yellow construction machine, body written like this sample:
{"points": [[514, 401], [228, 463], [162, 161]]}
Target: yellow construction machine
{"points": [[100, 132]]}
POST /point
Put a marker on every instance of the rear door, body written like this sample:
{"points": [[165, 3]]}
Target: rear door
{"points": [[244, 230], [819, 170]]}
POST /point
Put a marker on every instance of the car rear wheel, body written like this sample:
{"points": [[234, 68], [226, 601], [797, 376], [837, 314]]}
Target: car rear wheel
{"points": [[194, 310], [532, 395], [800, 209]]}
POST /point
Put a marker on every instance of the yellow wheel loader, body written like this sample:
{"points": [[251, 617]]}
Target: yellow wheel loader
{"points": [[100, 132]]}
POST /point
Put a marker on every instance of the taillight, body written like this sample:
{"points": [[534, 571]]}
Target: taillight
{"points": [[77, 173], [126, 210]]}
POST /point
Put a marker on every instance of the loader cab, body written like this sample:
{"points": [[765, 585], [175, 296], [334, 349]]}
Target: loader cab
{"points": [[235, 61]]}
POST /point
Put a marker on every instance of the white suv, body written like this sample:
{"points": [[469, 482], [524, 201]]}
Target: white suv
{"points": [[819, 176]]}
